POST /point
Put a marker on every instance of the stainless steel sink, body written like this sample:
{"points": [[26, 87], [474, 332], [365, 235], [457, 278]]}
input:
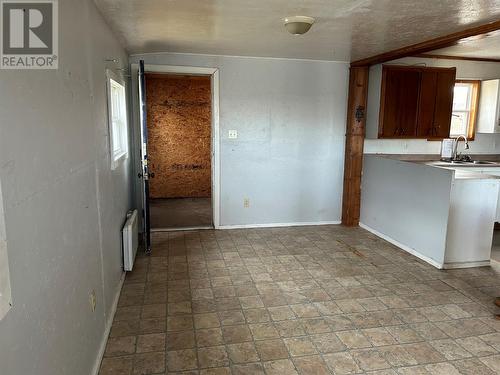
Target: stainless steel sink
{"points": [[483, 162]]}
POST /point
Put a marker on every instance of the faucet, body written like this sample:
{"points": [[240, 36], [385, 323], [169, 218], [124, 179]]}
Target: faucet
{"points": [[455, 149]]}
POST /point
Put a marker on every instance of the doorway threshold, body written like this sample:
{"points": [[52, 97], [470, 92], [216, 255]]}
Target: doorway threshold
{"points": [[179, 229]]}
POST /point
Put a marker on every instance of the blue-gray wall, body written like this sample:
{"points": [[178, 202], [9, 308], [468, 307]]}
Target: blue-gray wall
{"points": [[63, 205], [290, 116]]}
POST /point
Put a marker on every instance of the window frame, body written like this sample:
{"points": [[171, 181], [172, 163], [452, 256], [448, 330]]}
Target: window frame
{"points": [[474, 106], [120, 153]]}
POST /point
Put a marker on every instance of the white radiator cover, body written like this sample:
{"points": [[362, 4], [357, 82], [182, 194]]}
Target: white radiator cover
{"points": [[130, 240]]}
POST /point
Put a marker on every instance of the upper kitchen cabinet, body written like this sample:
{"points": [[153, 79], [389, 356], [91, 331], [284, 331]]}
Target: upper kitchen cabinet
{"points": [[416, 102], [489, 107]]}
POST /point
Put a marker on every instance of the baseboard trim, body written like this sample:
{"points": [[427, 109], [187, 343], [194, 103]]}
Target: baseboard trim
{"points": [[404, 247], [107, 327], [180, 229], [278, 225], [453, 265]]}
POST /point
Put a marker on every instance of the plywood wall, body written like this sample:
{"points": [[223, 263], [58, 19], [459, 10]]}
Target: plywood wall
{"points": [[179, 134]]}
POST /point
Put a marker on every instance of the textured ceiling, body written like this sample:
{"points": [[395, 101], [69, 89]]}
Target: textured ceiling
{"points": [[345, 30], [484, 46]]}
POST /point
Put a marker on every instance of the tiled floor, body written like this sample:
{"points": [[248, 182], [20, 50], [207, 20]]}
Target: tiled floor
{"points": [[311, 300], [181, 212]]}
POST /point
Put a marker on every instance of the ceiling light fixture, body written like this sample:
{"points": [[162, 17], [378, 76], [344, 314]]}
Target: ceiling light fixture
{"points": [[298, 25]]}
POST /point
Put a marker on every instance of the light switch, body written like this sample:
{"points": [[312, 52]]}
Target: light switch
{"points": [[232, 134]]}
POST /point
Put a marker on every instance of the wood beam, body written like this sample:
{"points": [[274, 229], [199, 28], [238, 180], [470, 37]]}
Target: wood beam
{"points": [[428, 45], [355, 136], [449, 57]]}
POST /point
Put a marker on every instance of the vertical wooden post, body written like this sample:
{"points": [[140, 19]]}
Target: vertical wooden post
{"points": [[355, 136]]}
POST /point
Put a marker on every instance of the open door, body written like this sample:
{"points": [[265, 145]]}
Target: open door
{"points": [[144, 159]]}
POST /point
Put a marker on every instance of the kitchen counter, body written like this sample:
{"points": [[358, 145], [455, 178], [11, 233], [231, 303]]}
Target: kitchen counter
{"points": [[441, 214], [462, 170]]}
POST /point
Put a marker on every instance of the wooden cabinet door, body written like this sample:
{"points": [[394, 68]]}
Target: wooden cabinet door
{"points": [[399, 103], [427, 104], [444, 102]]}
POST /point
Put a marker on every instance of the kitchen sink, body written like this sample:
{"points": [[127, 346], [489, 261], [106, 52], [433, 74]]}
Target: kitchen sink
{"points": [[483, 162], [444, 163]]}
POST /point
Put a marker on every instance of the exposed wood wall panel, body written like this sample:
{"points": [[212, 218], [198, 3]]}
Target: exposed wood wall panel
{"points": [[179, 135], [355, 136]]}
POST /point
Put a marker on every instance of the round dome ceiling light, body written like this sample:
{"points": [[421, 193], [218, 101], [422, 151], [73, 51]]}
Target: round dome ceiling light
{"points": [[298, 25]]}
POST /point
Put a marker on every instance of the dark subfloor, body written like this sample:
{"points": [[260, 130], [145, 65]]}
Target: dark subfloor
{"points": [[310, 300], [181, 212]]}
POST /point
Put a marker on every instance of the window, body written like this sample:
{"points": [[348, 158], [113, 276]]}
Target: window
{"points": [[465, 104], [5, 296], [117, 112]]}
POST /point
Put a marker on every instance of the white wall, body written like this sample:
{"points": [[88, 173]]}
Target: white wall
{"points": [[396, 199], [64, 207], [290, 117], [483, 143], [5, 294]]}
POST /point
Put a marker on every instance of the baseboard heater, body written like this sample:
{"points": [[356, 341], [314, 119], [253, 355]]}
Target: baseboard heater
{"points": [[130, 235]]}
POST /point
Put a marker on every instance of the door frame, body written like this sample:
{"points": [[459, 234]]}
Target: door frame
{"points": [[215, 149]]}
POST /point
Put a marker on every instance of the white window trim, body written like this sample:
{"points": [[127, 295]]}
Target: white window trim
{"points": [[5, 293], [122, 154], [468, 108]]}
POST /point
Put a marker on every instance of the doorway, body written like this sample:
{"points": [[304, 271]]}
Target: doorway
{"points": [[179, 150], [182, 109]]}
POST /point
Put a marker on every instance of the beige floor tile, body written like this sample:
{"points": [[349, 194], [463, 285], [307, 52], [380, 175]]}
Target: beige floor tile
{"points": [[214, 356], [311, 365], [120, 346], [299, 346], [492, 362], [299, 300], [180, 340], [397, 355], [262, 331], [158, 311], [450, 349], [231, 317], [476, 346], [251, 302], [271, 349], [149, 363], [117, 366], [444, 368], [154, 342], [235, 334], [182, 360], [216, 371], [369, 359], [379, 336], [353, 339], [472, 366], [327, 343], [341, 363], [256, 315], [281, 313], [124, 328], [248, 369], [242, 353], [208, 320], [209, 337], [280, 367], [179, 323]]}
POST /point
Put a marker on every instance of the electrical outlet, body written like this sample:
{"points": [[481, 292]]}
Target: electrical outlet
{"points": [[92, 300], [246, 202], [232, 134]]}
